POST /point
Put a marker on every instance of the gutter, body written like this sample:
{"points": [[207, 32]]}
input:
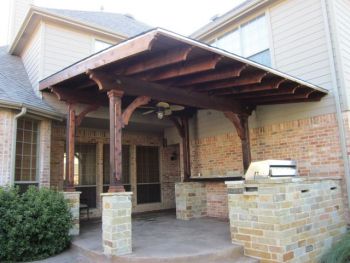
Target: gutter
{"points": [[341, 126], [13, 146], [31, 109]]}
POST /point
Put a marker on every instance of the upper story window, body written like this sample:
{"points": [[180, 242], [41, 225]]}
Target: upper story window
{"points": [[100, 45], [26, 164], [249, 40]]}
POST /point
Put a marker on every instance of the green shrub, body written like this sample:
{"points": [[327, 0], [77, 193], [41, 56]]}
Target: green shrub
{"points": [[339, 253], [33, 225]]}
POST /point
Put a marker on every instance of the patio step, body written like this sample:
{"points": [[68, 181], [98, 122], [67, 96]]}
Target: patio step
{"points": [[226, 255]]}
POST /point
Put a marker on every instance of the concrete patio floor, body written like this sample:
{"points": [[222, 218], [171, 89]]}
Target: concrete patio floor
{"points": [[160, 237]]}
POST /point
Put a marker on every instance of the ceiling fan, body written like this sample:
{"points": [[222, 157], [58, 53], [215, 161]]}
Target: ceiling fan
{"points": [[163, 109]]}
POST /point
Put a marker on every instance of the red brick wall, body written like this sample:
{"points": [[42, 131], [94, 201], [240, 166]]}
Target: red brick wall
{"points": [[313, 142], [217, 199]]}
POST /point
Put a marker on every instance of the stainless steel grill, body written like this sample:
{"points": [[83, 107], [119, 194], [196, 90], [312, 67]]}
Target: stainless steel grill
{"points": [[271, 168]]}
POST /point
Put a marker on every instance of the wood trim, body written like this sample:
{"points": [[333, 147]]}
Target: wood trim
{"points": [[139, 101], [70, 147], [83, 114]]}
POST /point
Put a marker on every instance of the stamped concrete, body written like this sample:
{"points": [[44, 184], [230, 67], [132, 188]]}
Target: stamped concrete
{"points": [[160, 237]]}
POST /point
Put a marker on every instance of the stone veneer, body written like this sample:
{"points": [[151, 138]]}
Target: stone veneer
{"points": [[286, 220], [116, 223], [190, 200], [74, 204]]}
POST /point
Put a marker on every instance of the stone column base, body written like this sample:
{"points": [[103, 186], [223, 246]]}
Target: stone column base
{"points": [[191, 201], [286, 219], [74, 204], [116, 223]]}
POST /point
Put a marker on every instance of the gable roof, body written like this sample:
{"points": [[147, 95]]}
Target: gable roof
{"points": [[119, 23], [113, 25], [16, 90]]}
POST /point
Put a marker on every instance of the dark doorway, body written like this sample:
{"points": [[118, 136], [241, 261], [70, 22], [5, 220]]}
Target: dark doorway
{"points": [[148, 175]]}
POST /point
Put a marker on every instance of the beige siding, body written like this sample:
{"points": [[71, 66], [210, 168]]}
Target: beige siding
{"points": [[31, 57], [63, 47], [300, 49], [341, 27]]}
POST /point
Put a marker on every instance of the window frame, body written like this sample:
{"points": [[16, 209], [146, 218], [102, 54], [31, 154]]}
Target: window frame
{"points": [[239, 29], [37, 153]]}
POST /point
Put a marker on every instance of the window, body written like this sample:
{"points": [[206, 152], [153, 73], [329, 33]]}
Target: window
{"points": [[148, 180], [85, 172], [100, 45], [125, 167], [26, 162], [250, 40]]}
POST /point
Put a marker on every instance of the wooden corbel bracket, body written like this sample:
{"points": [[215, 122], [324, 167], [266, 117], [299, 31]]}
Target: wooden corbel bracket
{"points": [[139, 101], [82, 114]]}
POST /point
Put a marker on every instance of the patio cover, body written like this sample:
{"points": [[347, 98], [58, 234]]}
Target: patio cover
{"points": [[164, 66]]}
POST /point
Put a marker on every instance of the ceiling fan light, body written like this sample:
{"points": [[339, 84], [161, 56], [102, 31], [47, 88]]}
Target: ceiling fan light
{"points": [[160, 114]]}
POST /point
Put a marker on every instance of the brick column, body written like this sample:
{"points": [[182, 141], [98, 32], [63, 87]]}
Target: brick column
{"points": [[116, 223], [290, 219], [74, 203], [190, 200]]}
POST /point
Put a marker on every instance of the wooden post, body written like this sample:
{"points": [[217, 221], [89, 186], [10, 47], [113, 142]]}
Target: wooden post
{"points": [[245, 141], [240, 121], [186, 148], [183, 130], [70, 148], [115, 145]]}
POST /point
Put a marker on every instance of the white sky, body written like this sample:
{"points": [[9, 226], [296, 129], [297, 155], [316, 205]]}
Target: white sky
{"points": [[181, 16]]}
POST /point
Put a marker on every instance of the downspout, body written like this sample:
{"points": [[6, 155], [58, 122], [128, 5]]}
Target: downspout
{"points": [[341, 126], [13, 146]]}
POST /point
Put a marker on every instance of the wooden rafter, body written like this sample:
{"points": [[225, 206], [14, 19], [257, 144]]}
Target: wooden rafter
{"points": [[136, 87], [270, 93], [192, 67], [164, 59], [271, 85], [74, 96], [282, 98], [227, 73], [252, 78]]}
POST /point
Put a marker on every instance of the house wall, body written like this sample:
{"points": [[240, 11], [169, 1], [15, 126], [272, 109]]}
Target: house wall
{"points": [[169, 170]]}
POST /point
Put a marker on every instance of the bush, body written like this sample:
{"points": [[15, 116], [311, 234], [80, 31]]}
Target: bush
{"points": [[339, 253], [33, 225]]}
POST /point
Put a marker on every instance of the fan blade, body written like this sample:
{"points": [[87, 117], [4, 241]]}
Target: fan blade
{"points": [[176, 107], [163, 104], [167, 112], [148, 112]]}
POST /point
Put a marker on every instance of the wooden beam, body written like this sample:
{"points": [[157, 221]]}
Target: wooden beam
{"points": [[272, 85], [139, 101], [252, 78], [192, 67], [136, 87], [87, 110], [276, 98], [170, 57], [240, 121], [70, 148], [115, 141], [271, 93], [227, 73], [183, 130], [74, 96], [124, 50]]}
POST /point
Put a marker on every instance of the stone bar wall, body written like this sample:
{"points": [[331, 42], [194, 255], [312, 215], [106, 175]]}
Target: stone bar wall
{"points": [[116, 223], [74, 204], [286, 220], [190, 200]]}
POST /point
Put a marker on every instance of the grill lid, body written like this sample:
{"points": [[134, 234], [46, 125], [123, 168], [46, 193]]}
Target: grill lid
{"points": [[271, 168]]}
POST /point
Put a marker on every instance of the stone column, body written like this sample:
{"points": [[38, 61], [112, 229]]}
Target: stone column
{"points": [[74, 203], [286, 219], [191, 201], [116, 223]]}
